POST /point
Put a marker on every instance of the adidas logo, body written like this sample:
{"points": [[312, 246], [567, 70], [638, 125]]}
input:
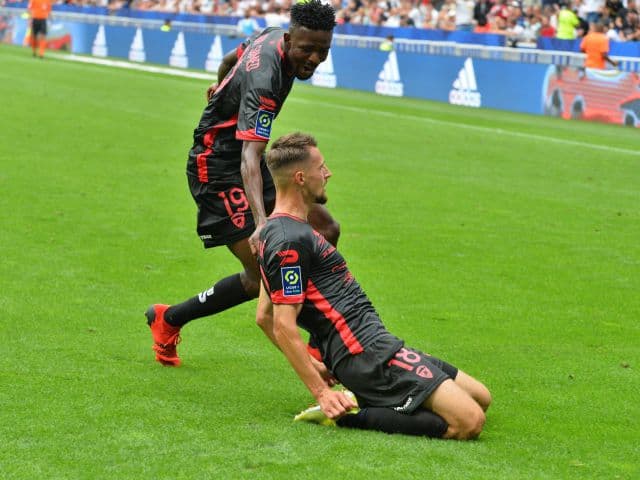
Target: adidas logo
{"points": [[324, 75], [178, 56], [136, 52], [464, 90], [389, 82], [99, 48], [214, 59]]}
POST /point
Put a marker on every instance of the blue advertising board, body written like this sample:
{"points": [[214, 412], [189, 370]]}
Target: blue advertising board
{"points": [[457, 79]]}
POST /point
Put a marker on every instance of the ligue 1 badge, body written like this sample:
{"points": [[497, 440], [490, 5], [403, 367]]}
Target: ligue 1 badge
{"points": [[291, 281], [264, 120]]}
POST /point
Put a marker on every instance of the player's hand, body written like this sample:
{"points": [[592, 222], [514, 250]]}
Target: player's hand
{"points": [[324, 372], [254, 239], [334, 403], [211, 90]]}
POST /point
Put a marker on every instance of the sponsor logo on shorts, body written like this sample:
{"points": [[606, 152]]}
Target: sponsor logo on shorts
{"points": [[424, 372], [264, 121], [404, 407], [291, 281]]}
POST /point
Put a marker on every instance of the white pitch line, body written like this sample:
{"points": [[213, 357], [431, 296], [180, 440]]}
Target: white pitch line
{"points": [[211, 77], [531, 136], [135, 66]]}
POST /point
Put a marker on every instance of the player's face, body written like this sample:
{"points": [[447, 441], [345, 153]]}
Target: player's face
{"points": [[316, 176], [306, 49]]}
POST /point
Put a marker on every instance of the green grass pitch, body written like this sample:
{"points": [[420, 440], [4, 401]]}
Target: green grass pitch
{"points": [[507, 244]]}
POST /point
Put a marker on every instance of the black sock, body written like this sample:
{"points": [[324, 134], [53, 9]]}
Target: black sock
{"points": [[225, 294], [421, 422]]}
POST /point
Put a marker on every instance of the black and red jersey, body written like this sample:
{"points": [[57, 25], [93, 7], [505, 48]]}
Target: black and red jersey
{"points": [[242, 108], [299, 266]]}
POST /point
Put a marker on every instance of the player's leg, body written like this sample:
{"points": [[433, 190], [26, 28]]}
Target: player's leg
{"points": [[217, 225], [34, 35], [476, 389], [224, 294], [462, 413], [322, 222], [167, 320], [42, 44], [422, 422]]}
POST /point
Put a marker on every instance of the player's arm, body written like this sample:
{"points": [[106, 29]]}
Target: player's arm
{"points": [[607, 58], [264, 314], [252, 152], [264, 319], [334, 403], [228, 62]]}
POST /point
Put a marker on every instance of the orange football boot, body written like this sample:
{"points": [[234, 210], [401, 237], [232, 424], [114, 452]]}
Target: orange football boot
{"points": [[165, 337]]}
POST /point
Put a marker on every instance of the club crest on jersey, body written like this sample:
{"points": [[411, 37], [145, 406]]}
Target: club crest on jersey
{"points": [[264, 120], [291, 281]]}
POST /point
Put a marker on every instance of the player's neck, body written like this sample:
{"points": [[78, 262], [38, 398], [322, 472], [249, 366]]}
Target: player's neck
{"points": [[288, 205]]}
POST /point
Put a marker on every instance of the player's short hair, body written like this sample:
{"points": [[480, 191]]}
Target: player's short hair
{"points": [[289, 149], [314, 15]]}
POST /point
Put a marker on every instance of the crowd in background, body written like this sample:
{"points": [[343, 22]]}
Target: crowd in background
{"points": [[520, 20]]}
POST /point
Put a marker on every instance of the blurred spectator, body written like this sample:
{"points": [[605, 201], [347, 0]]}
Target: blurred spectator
{"points": [[515, 32], [387, 44], [616, 30], [481, 10], [593, 10], [482, 26], [248, 25], [447, 16], [567, 22], [596, 47], [274, 16], [464, 15], [614, 8], [522, 21], [632, 27], [546, 29], [499, 10], [166, 26], [5, 28], [430, 16]]}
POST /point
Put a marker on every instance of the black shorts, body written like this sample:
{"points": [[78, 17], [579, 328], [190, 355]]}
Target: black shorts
{"points": [[38, 26], [224, 214], [386, 377]]}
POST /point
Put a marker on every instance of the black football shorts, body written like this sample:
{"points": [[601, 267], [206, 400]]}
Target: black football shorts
{"points": [[399, 379], [224, 214], [39, 26]]}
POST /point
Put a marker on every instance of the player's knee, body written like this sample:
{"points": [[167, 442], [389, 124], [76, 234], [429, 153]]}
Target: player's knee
{"points": [[484, 398], [468, 427], [473, 424], [250, 283]]}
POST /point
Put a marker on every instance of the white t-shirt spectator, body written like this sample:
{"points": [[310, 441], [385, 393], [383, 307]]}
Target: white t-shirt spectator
{"points": [[464, 12]]}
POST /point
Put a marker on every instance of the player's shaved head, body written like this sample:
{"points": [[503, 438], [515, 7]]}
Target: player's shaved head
{"points": [[289, 151]]}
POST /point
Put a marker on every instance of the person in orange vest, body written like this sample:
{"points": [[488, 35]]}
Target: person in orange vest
{"points": [[596, 47], [39, 10]]}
